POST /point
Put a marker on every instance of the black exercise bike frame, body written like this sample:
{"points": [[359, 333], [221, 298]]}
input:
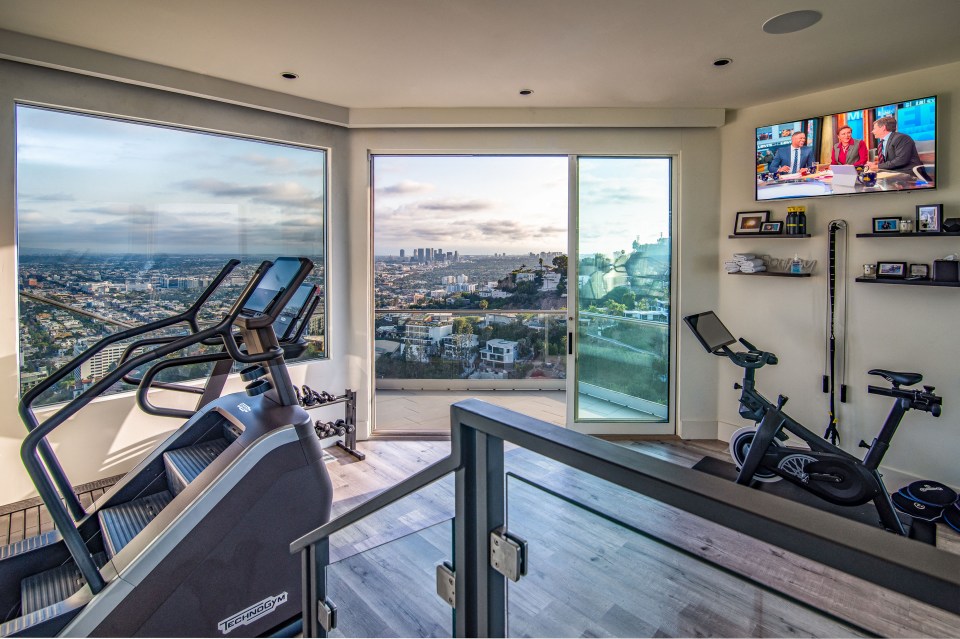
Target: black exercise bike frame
{"points": [[772, 422]]}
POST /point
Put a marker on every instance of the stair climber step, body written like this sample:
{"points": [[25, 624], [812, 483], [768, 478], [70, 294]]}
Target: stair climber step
{"points": [[122, 522], [54, 585], [184, 464]]}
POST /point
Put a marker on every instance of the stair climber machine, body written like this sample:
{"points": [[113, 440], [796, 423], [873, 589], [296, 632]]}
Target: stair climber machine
{"points": [[192, 541]]}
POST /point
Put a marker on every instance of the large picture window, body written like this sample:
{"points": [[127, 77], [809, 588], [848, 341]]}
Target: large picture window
{"points": [[121, 223]]}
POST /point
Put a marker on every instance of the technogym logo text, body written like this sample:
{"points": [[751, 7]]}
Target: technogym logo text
{"points": [[251, 614]]}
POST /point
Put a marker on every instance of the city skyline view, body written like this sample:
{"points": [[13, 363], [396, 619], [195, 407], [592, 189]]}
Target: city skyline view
{"points": [[494, 204], [93, 184]]}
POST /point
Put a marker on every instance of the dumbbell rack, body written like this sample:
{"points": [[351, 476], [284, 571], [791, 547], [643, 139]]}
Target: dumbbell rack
{"points": [[349, 438]]}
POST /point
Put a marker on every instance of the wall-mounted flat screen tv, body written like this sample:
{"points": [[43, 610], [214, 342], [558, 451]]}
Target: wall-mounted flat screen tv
{"points": [[892, 147]]}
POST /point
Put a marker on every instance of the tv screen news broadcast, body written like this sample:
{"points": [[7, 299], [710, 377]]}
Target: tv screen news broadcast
{"points": [[891, 147]]}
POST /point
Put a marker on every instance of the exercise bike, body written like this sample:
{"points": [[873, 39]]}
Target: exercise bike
{"points": [[824, 470]]}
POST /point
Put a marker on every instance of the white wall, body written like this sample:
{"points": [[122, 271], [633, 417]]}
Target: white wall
{"points": [[698, 189], [895, 327], [108, 437]]}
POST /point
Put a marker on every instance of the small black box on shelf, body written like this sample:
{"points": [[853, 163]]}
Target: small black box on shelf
{"points": [[946, 271]]}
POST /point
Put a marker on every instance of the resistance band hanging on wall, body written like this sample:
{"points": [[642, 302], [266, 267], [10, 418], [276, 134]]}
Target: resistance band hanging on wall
{"points": [[836, 320]]}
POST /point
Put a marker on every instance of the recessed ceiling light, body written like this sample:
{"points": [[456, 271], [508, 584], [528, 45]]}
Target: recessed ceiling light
{"points": [[792, 22], [526, 91], [722, 62], [289, 75]]}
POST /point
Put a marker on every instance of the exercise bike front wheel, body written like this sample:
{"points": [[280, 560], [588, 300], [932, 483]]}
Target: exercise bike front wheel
{"points": [[740, 446]]}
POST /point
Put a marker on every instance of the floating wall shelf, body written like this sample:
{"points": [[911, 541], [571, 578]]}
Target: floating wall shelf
{"points": [[889, 280]]}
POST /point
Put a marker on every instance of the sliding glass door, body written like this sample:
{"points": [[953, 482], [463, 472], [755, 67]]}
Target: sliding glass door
{"points": [[622, 248]]}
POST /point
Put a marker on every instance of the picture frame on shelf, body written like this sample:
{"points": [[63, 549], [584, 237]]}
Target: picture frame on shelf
{"points": [[892, 270], [771, 228], [929, 218], [919, 272], [886, 225], [750, 222]]}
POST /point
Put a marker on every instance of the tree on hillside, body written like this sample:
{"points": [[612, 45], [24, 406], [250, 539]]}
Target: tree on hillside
{"points": [[462, 325]]}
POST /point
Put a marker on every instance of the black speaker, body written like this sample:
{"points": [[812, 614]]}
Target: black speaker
{"points": [[946, 271], [952, 225]]}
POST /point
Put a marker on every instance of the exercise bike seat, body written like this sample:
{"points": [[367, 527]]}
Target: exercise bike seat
{"points": [[895, 378]]}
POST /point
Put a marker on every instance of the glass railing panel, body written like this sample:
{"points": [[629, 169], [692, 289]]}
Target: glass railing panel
{"points": [[608, 345], [390, 590], [471, 345], [382, 571], [593, 573]]}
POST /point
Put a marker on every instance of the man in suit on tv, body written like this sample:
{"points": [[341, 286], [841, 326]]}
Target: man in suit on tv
{"points": [[895, 151], [790, 159]]}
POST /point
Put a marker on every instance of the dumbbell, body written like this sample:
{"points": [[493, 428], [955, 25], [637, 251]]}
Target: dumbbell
{"points": [[309, 397]]}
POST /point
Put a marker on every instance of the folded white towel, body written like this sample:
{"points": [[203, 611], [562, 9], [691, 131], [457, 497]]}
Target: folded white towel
{"points": [[754, 262], [753, 269], [732, 269], [728, 263], [743, 256]]}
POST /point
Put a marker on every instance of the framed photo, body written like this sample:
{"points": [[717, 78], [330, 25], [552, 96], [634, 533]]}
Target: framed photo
{"points": [[750, 222], [893, 270], [886, 225], [929, 218], [771, 228], [919, 272]]}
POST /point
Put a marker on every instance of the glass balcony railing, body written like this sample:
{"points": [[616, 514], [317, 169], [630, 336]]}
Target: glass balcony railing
{"points": [[599, 575], [623, 361], [565, 535], [471, 345]]}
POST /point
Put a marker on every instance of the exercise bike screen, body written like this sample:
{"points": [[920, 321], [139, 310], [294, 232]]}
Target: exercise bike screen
{"points": [[709, 330], [277, 280]]}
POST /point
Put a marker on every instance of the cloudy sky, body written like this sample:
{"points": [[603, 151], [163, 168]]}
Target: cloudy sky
{"points": [[97, 185], [516, 205]]}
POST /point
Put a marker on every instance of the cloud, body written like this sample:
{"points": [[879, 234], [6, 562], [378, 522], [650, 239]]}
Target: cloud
{"points": [[45, 197], [265, 162], [289, 194], [406, 187], [455, 205]]}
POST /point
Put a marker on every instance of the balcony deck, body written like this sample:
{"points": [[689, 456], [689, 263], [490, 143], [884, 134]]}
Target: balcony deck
{"points": [[428, 412]]}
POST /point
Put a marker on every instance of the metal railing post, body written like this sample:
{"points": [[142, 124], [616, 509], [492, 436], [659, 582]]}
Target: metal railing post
{"points": [[315, 559], [480, 508]]}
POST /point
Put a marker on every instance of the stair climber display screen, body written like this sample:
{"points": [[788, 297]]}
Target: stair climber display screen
{"points": [[194, 540], [277, 280]]}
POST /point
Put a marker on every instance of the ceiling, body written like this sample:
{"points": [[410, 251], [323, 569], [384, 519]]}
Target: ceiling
{"points": [[368, 54]]}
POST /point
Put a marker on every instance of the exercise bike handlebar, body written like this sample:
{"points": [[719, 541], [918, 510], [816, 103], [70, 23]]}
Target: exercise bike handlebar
{"points": [[924, 400], [750, 359]]}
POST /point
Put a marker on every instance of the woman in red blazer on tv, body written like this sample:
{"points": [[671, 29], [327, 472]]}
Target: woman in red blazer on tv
{"points": [[847, 150]]}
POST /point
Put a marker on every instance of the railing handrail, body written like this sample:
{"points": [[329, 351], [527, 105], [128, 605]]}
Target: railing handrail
{"points": [[902, 565]]}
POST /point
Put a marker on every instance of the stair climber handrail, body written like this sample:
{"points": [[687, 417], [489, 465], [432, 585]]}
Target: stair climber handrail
{"points": [[147, 382], [26, 402], [35, 439], [131, 349]]}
